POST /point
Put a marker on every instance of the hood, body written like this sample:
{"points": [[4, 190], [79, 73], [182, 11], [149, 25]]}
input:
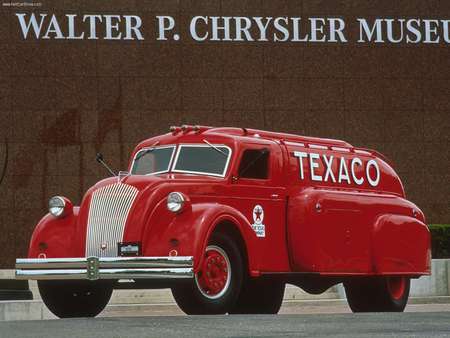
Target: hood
{"points": [[114, 209]]}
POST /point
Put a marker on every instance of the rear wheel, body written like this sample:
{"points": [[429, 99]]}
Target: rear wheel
{"points": [[260, 296], [66, 299], [385, 294], [216, 286]]}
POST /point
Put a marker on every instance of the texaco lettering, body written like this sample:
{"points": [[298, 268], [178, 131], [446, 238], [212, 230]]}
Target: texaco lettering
{"points": [[347, 169]]}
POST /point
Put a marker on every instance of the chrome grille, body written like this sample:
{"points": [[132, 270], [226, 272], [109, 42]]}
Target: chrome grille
{"points": [[108, 214]]}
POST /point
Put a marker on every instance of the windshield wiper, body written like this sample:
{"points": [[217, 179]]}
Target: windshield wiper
{"points": [[146, 151], [143, 152], [216, 149]]}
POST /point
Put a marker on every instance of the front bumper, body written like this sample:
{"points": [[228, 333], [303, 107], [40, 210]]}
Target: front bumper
{"points": [[93, 268]]}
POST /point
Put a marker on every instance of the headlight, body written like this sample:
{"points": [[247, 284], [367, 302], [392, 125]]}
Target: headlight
{"points": [[56, 206], [175, 201]]}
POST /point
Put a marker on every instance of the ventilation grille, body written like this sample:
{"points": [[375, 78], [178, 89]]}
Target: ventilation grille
{"points": [[108, 214]]}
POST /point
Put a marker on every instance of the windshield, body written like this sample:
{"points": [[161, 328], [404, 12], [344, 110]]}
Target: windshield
{"points": [[205, 159], [152, 160]]}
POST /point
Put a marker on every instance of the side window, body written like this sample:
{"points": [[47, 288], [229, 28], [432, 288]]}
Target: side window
{"points": [[255, 164]]}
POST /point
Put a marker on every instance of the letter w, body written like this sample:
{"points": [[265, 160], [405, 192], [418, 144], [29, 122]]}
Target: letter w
{"points": [[32, 22]]}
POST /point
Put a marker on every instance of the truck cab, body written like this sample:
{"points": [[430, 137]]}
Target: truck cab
{"points": [[225, 217]]}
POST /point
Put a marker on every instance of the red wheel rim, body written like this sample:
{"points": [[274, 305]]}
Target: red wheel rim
{"points": [[214, 277], [396, 287]]}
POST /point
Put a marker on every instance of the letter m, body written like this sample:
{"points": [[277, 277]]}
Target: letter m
{"points": [[25, 26], [369, 33]]}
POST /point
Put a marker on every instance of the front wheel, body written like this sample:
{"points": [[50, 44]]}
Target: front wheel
{"points": [[66, 299], [216, 286], [384, 294]]}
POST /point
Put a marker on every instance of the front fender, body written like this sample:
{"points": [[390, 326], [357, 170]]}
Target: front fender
{"points": [[52, 237], [216, 214], [189, 231]]}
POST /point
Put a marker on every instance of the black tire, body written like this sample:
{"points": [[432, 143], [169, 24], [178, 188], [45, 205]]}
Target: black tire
{"points": [[377, 294], [68, 299], [193, 299], [260, 296]]}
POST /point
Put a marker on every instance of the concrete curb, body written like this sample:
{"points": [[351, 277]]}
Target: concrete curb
{"points": [[36, 310]]}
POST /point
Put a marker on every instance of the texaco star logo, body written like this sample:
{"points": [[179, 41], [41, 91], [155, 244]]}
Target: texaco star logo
{"points": [[258, 214], [258, 218]]}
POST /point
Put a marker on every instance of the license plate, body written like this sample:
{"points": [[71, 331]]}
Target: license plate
{"points": [[129, 249]]}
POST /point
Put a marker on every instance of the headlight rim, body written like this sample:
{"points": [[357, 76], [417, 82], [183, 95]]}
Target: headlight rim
{"points": [[63, 207], [181, 203]]}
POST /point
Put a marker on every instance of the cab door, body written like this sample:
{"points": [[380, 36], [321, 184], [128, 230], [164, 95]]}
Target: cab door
{"points": [[259, 194]]}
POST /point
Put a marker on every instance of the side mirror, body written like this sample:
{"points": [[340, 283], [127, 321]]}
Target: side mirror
{"points": [[99, 159]]}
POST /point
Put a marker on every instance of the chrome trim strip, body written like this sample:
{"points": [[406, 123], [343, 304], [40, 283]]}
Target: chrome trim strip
{"points": [[105, 262], [156, 263], [66, 274], [94, 268], [146, 273], [317, 146], [296, 144], [51, 274], [52, 265], [346, 150]]}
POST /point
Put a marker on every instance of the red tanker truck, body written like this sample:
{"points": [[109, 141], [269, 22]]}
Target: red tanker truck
{"points": [[225, 217]]}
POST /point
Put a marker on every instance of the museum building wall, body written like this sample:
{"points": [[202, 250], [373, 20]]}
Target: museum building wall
{"points": [[64, 100]]}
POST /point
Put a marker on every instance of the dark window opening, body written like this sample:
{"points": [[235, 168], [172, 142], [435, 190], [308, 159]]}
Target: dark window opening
{"points": [[203, 159], [255, 164], [152, 160]]}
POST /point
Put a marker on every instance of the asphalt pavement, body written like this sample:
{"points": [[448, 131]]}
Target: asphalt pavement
{"points": [[408, 324]]}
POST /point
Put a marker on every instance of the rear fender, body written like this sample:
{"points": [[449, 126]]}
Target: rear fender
{"points": [[401, 245]]}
